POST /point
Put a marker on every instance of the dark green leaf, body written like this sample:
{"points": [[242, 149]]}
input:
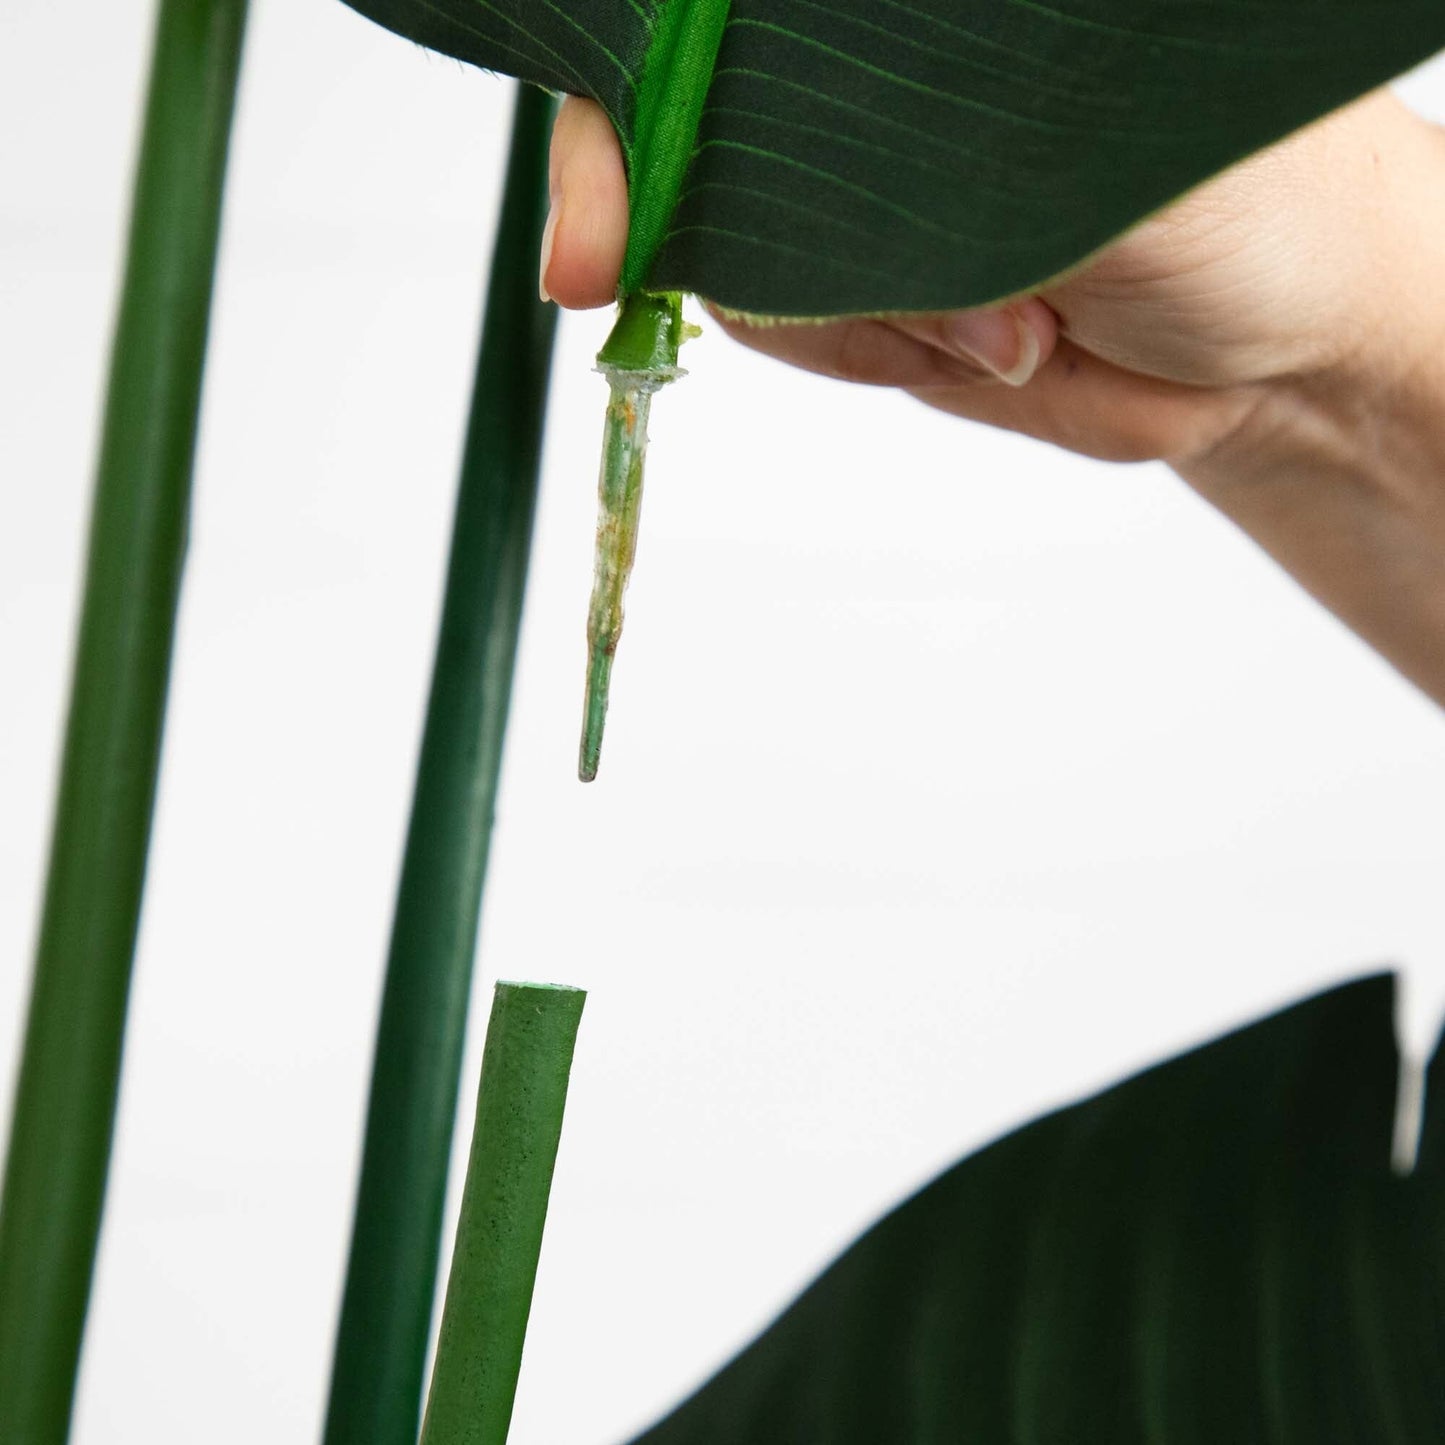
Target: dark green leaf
{"points": [[1214, 1251], [877, 155]]}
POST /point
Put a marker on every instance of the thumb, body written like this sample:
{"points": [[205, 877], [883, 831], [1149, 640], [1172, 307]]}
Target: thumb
{"points": [[586, 233]]}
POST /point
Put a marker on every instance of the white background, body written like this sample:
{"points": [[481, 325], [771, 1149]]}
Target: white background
{"points": [[948, 777]]}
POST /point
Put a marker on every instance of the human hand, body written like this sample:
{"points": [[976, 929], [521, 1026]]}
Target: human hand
{"points": [[1155, 348], [1277, 336]]}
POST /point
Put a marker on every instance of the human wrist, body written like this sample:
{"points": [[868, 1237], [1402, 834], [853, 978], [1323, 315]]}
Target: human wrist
{"points": [[1376, 418], [1339, 472], [1378, 346], [1343, 483]]}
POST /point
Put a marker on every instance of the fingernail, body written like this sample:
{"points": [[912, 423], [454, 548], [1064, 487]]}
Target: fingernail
{"points": [[549, 234], [999, 341]]}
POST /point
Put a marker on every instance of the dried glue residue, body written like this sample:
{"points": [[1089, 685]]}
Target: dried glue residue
{"points": [[619, 496]]}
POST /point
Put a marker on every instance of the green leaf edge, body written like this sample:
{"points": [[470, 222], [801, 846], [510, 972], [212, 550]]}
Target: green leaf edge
{"points": [[1319, 1078]]}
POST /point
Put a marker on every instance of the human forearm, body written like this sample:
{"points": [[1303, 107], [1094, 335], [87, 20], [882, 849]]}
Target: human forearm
{"points": [[1343, 483], [1340, 475]]}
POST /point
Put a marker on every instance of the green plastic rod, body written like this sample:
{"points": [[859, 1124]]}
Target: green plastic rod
{"points": [[523, 1093], [379, 1367], [54, 1186]]}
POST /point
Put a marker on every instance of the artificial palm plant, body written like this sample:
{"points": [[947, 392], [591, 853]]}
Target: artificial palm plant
{"points": [[720, 177]]}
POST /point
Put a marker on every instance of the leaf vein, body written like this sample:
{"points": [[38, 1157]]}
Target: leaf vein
{"points": [[814, 257], [558, 62], [905, 157], [787, 203], [862, 192], [963, 102], [1096, 99], [872, 116]]}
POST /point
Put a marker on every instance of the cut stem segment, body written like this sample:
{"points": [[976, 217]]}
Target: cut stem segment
{"points": [[378, 1374], [525, 1069], [638, 359], [55, 1174]]}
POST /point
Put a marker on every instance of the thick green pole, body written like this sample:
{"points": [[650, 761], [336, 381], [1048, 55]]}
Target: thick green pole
{"points": [[525, 1068], [376, 1382], [70, 1066]]}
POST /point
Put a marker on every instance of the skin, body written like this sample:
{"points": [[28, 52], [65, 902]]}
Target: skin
{"points": [[1277, 337]]}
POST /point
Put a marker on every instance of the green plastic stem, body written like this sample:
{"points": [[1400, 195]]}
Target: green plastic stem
{"points": [[55, 1173], [638, 358], [676, 79], [624, 448], [378, 1371], [523, 1093]]}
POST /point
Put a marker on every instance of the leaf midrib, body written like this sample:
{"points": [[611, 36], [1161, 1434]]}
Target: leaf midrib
{"points": [[676, 77]]}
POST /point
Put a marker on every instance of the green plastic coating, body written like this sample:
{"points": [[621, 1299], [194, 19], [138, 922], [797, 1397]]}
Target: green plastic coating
{"points": [[523, 1093], [55, 1173], [646, 335], [676, 77], [379, 1367]]}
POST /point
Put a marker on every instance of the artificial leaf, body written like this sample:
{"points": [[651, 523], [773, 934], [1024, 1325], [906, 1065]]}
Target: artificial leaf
{"points": [[822, 157], [1214, 1251]]}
